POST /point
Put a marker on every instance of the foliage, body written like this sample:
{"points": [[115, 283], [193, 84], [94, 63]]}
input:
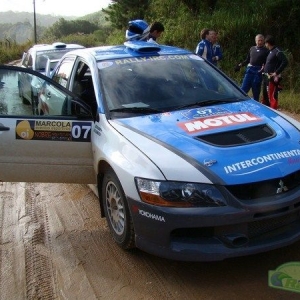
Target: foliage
{"points": [[121, 11], [87, 40], [63, 28], [289, 101], [237, 23], [12, 52]]}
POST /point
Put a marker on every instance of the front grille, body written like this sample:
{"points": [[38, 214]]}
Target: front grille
{"points": [[266, 228], [255, 190], [239, 137], [257, 228]]}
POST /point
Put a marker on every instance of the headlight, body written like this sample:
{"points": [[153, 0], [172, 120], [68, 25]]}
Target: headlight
{"points": [[179, 194]]}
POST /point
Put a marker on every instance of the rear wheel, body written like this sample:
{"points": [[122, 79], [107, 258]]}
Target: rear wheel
{"points": [[117, 212]]}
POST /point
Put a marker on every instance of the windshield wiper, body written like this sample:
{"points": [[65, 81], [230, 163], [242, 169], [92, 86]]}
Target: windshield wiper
{"points": [[208, 102], [136, 110]]}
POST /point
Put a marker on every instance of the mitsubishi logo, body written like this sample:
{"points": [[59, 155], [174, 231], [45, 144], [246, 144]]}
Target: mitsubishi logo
{"points": [[282, 188]]}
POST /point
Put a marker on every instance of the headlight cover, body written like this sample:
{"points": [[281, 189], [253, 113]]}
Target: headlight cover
{"points": [[179, 194]]}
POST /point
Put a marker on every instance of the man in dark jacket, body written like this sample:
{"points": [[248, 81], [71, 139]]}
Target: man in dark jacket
{"points": [[255, 61], [276, 62]]}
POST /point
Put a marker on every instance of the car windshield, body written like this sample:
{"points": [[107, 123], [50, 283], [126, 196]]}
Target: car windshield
{"points": [[164, 83], [53, 55]]}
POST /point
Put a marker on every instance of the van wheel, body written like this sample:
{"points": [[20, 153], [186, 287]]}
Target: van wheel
{"points": [[117, 212]]}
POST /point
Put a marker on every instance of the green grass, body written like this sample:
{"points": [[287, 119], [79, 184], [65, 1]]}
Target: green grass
{"points": [[290, 101]]}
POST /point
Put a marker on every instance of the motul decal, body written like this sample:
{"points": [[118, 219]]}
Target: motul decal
{"points": [[214, 122]]}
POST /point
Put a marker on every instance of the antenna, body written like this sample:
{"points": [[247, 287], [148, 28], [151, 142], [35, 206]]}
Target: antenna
{"points": [[34, 23]]}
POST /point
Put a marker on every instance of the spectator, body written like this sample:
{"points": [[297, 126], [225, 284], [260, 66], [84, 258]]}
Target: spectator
{"points": [[276, 62], [204, 47], [255, 61], [217, 50], [156, 29]]}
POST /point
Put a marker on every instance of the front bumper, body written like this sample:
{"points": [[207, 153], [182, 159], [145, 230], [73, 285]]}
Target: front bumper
{"points": [[213, 234]]}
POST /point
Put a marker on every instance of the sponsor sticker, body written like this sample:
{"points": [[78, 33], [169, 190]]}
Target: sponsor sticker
{"points": [[214, 122], [286, 277], [150, 58], [53, 130], [263, 161], [197, 113]]}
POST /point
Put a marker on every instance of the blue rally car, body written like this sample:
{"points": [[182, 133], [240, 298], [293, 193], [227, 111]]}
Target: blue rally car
{"points": [[186, 165]]}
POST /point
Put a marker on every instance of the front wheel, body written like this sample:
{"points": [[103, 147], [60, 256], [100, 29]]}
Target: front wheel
{"points": [[117, 212]]}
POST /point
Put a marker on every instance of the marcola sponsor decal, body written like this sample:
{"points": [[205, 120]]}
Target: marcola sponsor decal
{"points": [[263, 161], [214, 122], [53, 130]]}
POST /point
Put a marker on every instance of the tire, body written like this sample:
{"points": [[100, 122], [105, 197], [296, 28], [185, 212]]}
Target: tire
{"points": [[116, 211]]}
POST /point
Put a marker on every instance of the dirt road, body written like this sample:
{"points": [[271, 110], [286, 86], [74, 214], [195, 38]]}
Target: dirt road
{"points": [[53, 245]]}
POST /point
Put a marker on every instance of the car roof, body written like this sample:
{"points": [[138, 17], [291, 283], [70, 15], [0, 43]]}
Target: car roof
{"points": [[127, 50], [55, 46]]}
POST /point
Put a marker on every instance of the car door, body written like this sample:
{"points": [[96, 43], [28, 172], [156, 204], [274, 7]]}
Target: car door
{"points": [[26, 78], [37, 148], [51, 103]]}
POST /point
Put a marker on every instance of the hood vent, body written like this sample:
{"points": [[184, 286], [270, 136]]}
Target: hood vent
{"points": [[239, 137]]}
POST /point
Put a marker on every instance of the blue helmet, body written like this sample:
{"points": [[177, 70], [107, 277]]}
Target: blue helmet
{"points": [[138, 30]]}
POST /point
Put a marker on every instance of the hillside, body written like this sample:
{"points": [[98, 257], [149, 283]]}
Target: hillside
{"points": [[18, 27], [21, 17]]}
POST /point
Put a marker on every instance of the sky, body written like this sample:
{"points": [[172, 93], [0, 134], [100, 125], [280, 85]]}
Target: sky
{"points": [[76, 8]]}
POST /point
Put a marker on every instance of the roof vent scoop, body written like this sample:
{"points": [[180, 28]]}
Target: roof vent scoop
{"points": [[142, 47], [59, 45]]}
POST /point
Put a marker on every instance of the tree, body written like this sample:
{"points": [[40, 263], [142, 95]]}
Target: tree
{"points": [[122, 11], [63, 28], [197, 6]]}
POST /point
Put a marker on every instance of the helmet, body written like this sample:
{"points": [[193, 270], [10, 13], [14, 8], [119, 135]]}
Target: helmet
{"points": [[137, 30]]}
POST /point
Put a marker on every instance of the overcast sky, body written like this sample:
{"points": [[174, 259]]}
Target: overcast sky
{"points": [[76, 8]]}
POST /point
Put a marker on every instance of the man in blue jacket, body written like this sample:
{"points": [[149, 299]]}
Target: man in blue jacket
{"points": [[205, 47], [217, 50]]}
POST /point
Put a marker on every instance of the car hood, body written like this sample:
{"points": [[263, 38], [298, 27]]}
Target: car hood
{"points": [[234, 143]]}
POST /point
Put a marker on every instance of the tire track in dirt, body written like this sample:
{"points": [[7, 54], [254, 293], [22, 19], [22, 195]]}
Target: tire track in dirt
{"points": [[89, 259], [55, 234], [5, 196], [105, 264], [11, 245], [40, 279]]}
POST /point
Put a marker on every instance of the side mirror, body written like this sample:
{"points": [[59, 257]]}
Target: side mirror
{"points": [[81, 111], [78, 108]]}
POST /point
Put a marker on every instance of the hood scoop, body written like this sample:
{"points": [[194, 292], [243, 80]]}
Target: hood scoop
{"points": [[238, 137]]}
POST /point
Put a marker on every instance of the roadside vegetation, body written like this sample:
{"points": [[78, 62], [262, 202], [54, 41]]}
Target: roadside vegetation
{"points": [[237, 23]]}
